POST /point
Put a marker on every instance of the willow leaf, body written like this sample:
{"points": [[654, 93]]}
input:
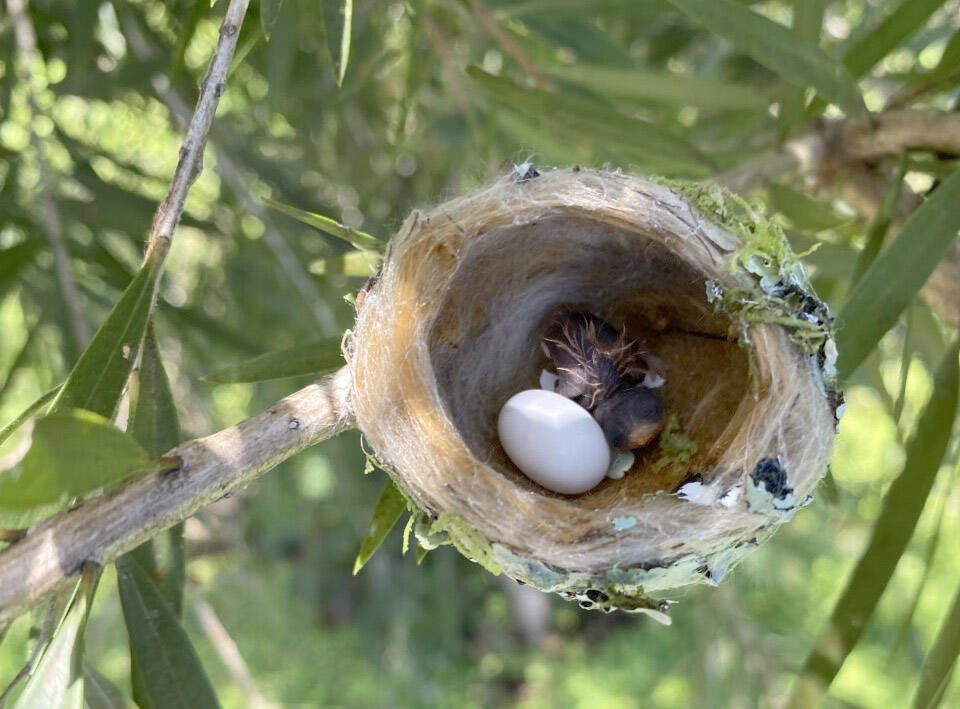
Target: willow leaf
{"points": [[99, 377], [354, 237], [902, 505], [385, 515], [170, 674], [896, 275], [797, 60], [941, 660], [314, 358]]}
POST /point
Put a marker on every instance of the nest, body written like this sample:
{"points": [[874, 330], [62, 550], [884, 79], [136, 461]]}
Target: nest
{"points": [[450, 329]]}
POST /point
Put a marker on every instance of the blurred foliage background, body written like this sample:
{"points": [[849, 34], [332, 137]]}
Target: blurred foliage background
{"points": [[93, 134]]}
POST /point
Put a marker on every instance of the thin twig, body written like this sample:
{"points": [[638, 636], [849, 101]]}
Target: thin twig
{"points": [[319, 308], [489, 24], [103, 528], [229, 653], [26, 40], [191, 153]]}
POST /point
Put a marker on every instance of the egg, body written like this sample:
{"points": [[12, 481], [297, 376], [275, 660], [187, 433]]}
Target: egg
{"points": [[554, 441]]}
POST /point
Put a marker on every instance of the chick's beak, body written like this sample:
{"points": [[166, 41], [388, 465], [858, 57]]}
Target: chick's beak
{"points": [[632, 418]]}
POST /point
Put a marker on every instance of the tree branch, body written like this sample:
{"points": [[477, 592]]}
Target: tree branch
{"points": [[850, 141], [101, 529], [191, 153]]}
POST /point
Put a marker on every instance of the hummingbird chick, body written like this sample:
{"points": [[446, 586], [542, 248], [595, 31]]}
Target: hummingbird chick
{"points": [[608, 375]]}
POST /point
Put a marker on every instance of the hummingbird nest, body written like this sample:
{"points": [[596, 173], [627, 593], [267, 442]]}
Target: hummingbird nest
{"points": [[451, 328]]}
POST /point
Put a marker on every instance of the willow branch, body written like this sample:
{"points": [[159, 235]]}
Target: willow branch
{"points": [[191, 153], [101, 529], [849, 142], [26, 41]]}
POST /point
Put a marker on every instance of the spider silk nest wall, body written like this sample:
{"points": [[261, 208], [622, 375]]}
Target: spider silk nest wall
{"points": [[450, 330]]}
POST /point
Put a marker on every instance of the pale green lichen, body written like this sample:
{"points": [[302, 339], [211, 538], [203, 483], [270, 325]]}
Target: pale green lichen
{"points": [[451, 528], [676, 447]]}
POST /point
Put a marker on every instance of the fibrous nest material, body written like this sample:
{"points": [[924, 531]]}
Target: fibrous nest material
{"points": [[450, 329]]}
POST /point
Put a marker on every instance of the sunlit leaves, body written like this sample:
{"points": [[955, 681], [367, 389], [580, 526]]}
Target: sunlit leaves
{"points": [[902, 505], [171, 675], [385, 515], [897, 274], [74, 453], [797, 60], [36, 406], [314, 358]]}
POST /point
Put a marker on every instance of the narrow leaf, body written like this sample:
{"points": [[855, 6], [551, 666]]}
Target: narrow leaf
{"points": [[662, 87], [97, 380], [807, 25], [897, 274], [797, 60], [878, 227], [337, 24], [44, 399], [74, 453], [805, 213], [941, 660], [170, 674], [640, 140], [98, 691], [154, 424], [269, 12], [355, 237], [887, 35], [385, 515], [898, 517], [57, 680], [314, 358]]}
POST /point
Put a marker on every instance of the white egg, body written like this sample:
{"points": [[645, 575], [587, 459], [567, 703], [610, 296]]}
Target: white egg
{"points": [[554, 441]]}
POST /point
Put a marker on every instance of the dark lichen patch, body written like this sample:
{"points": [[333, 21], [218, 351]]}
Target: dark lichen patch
{"points": [[769, 488]]}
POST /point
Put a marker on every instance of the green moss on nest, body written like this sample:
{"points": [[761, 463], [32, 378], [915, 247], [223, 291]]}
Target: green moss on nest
{"points": [[676, 447]]}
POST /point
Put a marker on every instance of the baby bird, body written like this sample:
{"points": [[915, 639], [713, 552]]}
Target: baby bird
{"points": [[608, 375]]}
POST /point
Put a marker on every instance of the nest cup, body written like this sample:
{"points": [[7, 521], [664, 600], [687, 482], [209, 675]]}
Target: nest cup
{"points": [[450, 329]]}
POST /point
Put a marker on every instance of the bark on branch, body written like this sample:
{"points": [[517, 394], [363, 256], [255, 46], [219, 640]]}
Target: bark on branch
{"points": [[101, 529]]}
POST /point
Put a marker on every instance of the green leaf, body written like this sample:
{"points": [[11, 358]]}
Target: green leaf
{"points": [[941, 660], [803, 211], [337, 24], [13, 260], [385, 515], [902, 505], [154, 424], [99, 377], [797, 60], [269, 12], [44, 399], [878, 227], [874, 45], [355, 237], [807, 25], [170, 674], [897, 274], [74, 453], [314, 358], [58, 679], [663, 87], [98, 691], [639, 140]]}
